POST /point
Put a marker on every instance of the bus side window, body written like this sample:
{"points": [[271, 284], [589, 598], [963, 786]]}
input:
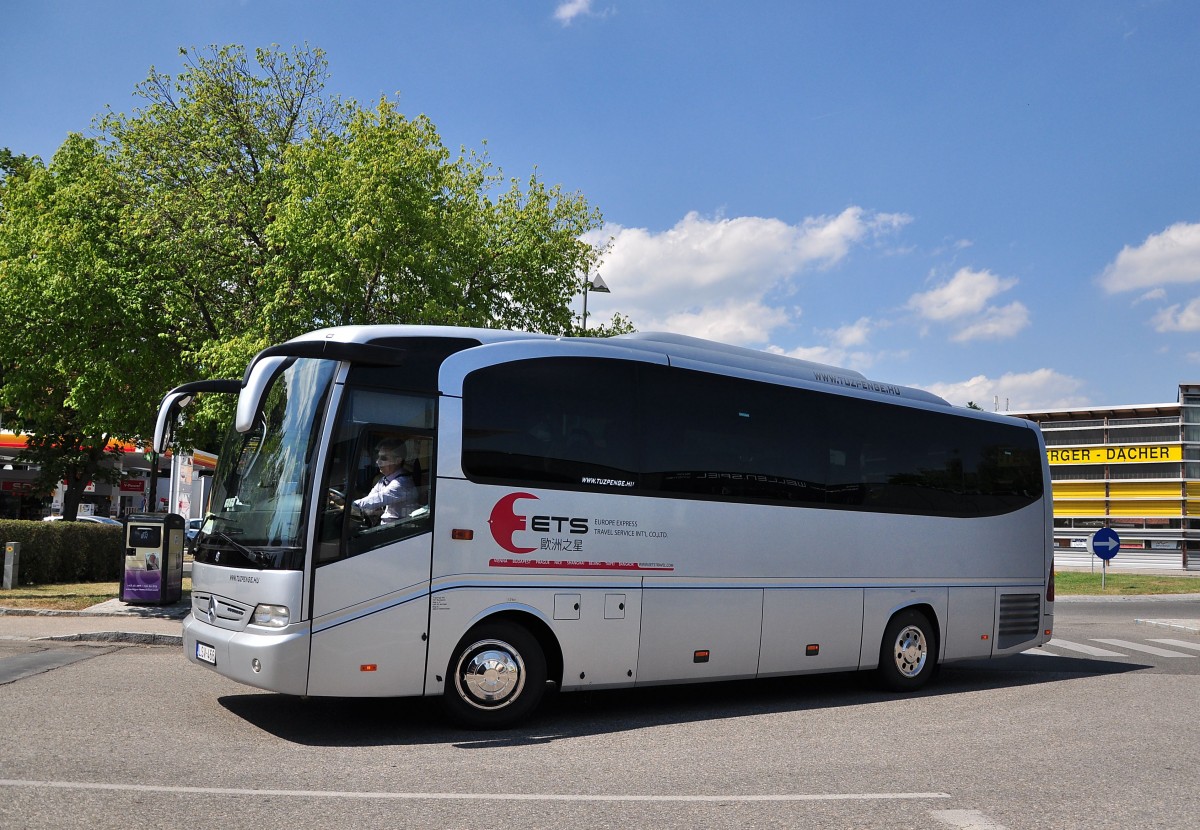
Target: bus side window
{"points": [[382, 524], [561, 421]]}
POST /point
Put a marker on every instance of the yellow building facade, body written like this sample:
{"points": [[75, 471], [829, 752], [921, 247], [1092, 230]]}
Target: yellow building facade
{"points": [[1135, 469]]}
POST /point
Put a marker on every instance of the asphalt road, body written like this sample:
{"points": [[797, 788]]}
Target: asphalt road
{"points": [[113, 736]]}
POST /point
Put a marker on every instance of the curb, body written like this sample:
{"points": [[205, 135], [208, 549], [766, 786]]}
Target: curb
{"points": [[134, 613], [126, 637], [1191, 626]]}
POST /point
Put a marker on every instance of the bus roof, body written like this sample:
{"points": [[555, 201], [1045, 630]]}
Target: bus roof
{"points": [[676, 348]]}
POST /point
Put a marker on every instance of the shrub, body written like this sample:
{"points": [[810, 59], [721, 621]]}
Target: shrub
{"points": [[66, 551]]}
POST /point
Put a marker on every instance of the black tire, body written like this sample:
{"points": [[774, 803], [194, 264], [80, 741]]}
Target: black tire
{"points": [[908, 653], [496, 677]]}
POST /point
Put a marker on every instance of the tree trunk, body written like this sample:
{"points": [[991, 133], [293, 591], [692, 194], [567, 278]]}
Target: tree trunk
{"points": [[74, 495]]}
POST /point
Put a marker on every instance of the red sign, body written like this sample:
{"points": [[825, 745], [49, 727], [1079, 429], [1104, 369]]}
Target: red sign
{"points": [[16, 486], [133, 485]]}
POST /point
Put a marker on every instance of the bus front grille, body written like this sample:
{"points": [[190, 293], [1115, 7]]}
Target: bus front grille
{"points": [[219, 611]]}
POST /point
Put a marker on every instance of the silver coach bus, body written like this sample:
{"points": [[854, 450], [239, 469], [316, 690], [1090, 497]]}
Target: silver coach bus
{"points": [[603, 513]]}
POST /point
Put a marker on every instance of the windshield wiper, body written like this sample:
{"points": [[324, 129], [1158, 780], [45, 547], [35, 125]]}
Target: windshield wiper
{"points": [[256, 557]]}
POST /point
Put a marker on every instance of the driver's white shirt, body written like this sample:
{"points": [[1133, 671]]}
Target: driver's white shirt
{"points": [[395, 494]]}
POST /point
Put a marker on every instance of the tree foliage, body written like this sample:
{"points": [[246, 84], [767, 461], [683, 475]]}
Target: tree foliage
{"points": [[239, 206], [380, 224], [204, 160], [79, 367]]}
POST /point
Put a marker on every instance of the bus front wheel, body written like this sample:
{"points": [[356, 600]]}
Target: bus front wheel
{"points": [[908, 655], [496, 677]]}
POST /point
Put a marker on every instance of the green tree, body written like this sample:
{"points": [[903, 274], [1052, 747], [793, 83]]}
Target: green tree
{"points": [[241, 206], [380, 224], [80, 366], [204, 162], [265, 208], [14, 165]]}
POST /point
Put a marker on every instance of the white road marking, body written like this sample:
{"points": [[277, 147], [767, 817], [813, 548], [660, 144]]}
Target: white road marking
{"points": [[1085, 649], [148, 788], [1155, 650], [966, 819], [1177, 643]]}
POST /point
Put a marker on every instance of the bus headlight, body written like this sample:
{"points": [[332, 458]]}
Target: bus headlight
{"points": [[271, 616]]}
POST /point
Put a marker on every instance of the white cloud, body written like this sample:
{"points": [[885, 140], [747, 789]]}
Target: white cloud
{"points": [[953, 246], [964, 301], [1039, 389], [839, 356], [995, 324], [855, 334], [709, 277], [967, 293], [828, 355], [566, 12], [833, 356], [1172, 256], [1179, 318], [733, 322]]}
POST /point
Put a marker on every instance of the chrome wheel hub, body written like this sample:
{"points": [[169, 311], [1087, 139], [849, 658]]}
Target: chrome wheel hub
{"points": [[911, 651], [490, 675]]}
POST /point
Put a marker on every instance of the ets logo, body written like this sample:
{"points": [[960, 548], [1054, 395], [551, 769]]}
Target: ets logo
{"points": [[505, 521]]}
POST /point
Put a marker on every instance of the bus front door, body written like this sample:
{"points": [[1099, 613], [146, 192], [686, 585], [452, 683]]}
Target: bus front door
{"points": [[370, 618], [374, 545]]}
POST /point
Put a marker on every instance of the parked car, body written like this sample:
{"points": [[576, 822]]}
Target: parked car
{"points": [[191, 535], [99, 520]]}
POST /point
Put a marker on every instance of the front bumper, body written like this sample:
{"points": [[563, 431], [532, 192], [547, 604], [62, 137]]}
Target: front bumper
{"points": [[273, 660]]}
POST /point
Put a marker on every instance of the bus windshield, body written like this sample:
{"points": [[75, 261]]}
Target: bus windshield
{"points": [[263, 475]]}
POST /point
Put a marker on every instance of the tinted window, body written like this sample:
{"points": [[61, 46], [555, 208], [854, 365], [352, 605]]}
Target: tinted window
{"points": [[563, 421], [726, 437], [423, 358], [605, 424], [893, 458]]}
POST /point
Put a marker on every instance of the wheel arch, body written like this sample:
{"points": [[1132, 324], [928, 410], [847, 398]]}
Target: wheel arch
{"points": [[909, 649], [931, 614], [882, 605], [536, 626]]}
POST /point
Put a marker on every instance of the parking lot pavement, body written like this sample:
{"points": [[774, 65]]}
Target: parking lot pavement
{"points": [[1179, 611]]}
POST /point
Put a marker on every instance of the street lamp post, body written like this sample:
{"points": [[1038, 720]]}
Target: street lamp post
{"points": [[596, 284]]}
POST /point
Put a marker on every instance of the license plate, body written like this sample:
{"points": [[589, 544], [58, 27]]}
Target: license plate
{"points": [[206, 653]]}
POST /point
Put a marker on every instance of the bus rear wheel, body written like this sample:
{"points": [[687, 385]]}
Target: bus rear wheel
{"points": [[908, 654], [496, 677]]}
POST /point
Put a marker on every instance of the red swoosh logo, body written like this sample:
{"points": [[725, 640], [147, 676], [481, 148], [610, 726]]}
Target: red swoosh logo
{"points": [[505, 522]]}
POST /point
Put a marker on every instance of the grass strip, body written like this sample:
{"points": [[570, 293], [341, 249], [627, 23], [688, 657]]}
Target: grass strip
{"points": [[67, 597], [1123, 583]]}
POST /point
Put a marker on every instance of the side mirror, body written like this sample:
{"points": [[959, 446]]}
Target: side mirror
{"points": [[178, 398]]}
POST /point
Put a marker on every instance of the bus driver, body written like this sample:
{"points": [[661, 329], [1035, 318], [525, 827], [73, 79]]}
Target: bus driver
{"points": [[394, 495]]}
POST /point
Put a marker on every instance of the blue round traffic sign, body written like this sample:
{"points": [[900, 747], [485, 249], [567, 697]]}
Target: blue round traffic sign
{"points": [[1105, 543]]}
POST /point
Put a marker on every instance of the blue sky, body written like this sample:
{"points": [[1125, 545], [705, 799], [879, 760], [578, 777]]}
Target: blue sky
{"points": [[991, 201]]}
